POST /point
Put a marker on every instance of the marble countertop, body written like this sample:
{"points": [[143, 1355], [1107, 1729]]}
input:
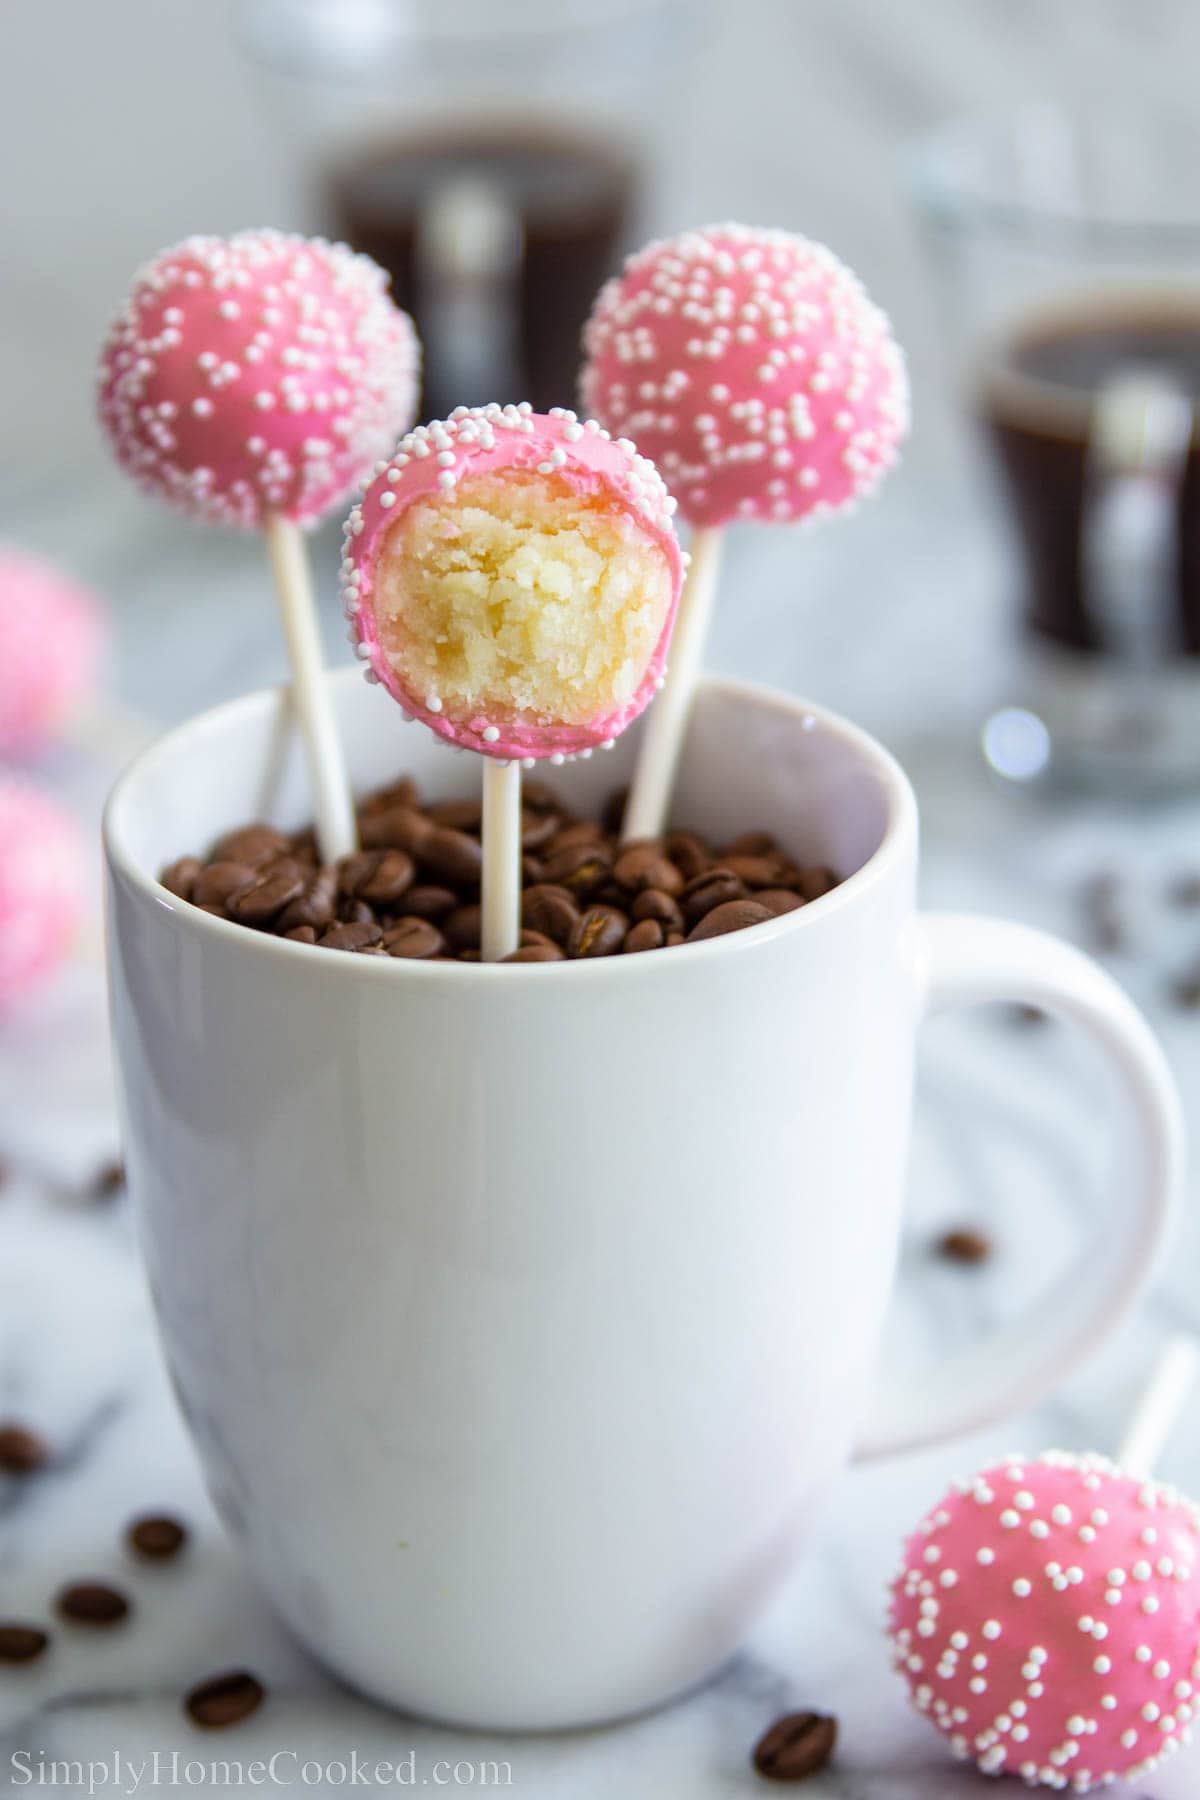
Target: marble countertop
{"points": [[1005, 1140]]}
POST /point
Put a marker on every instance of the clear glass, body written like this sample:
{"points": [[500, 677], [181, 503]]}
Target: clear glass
{"points": [[491, 154], [1068, 245]]}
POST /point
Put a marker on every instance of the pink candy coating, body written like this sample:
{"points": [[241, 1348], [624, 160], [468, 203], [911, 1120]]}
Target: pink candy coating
{"points": [[254, 374], [753, 368], [41, 887], [482, 440], [52, 637], [1047, 1620]]}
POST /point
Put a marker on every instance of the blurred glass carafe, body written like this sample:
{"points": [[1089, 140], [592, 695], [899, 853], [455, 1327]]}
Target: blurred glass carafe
{"points": [[488, 153], [1070, 247]]}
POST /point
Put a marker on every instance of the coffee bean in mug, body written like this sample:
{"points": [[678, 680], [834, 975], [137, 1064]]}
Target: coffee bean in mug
{"points": [[540, 1208]]}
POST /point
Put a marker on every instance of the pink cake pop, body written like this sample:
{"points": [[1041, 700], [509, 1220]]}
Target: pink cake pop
{"points": [[511, 578], [41, 887], [52, 633], [256, 375], [1047, 1620], [753, 368]]}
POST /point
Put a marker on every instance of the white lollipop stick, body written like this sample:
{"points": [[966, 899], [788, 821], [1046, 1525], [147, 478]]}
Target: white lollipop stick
{"points": [[500, 930], [1160, 1405], [333, 806], [658, 757]]}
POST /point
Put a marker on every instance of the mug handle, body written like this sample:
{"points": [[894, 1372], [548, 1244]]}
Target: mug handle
{"points": [[966, 961]]}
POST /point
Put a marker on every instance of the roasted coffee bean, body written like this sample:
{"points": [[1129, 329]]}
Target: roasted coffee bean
{"points": [[612, 813], [399, 828], [755, 871], [462, 929], [413, 938], [304, 850], [459, 815], [180, 878], [539, 796], [22, 1450], [531, 870], [303, 934], [221, 882], [579, 831], [580, 867], [652, 903], [108, 1180], [278, 885], [796, 1747], [156, 1537], [537, 829], [427, 902], [964, 1245], [550, 910], [355, 912], [452, 857], [647, 934], [750, 843], [733, 915], [402, 793], [647, 865], [381, 877], [358, 936], [536, 953], [224, 1700], [533, 937], [812, 883], [254, 845], [716, 887], [600, 932], [689, 852], [316, 906], [21, 1643], [92, 1603], [778, 900], [674, 938], [470, 956]]}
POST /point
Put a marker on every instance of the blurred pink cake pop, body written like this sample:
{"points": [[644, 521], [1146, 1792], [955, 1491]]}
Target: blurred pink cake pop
{"points": [[41, 887], [52, 638], [511, 578], [753, 368], [1047, 1620], [256, 375]]}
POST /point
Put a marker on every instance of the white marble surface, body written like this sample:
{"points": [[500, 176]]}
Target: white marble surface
{"points": [[898, 620]]}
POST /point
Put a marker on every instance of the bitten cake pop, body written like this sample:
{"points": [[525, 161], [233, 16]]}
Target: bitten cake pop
{"points": [[511, 578], [754, 369], [41, 887], [252, 381], [52, 637]]}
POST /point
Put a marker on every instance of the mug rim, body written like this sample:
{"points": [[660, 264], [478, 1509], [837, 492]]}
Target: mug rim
{"points": [[898, 835]]}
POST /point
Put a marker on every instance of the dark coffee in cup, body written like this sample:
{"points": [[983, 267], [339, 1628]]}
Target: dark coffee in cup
{"points": [[546, 212], [1039, 402]]}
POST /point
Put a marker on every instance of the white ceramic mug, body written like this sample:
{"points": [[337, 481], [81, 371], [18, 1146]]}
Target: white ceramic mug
{"points": [[519, 1313]]}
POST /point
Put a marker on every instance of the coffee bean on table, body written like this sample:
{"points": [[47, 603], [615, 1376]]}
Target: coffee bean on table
{"points": [[92, 1603], [600, 932], [180, 877], [647, 934], [796, 1747], [414, 939], [156, 1537], [22, 1450], [964, 1245], [734, 915], [451, 857], [224, 1700], [716, 887], [20, 1643]]}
